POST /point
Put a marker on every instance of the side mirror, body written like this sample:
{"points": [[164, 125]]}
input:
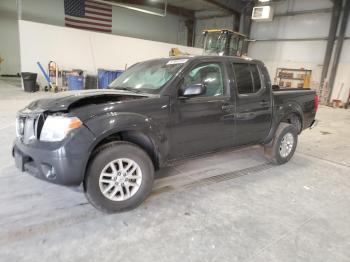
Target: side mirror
{"points": [[193, 90]]}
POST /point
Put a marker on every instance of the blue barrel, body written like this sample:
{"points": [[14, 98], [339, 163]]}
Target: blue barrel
{"points": [[75, 82], [105, 77]]}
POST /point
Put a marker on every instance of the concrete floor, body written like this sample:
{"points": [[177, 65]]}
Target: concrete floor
{"points": [[230, 206]]}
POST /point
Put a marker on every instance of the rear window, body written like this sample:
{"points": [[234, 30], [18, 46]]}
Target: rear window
{"points": [[265, 75], [256, 77], [247, 78], [244, 81]]}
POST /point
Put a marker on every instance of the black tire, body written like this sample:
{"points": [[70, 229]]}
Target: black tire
{"points": [[104, 155], [272, 150]]}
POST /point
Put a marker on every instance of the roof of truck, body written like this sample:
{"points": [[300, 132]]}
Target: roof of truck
{"points": [[206, 57]]}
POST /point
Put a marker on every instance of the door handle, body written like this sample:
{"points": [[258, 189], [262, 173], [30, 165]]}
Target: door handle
{"points": [[246, 116], [264, 103], [227, 107]]}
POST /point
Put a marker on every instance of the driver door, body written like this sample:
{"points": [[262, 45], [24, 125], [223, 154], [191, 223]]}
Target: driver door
{"points": [[203, 123]]}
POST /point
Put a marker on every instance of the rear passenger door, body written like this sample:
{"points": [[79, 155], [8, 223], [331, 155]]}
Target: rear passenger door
{"points": [[253, 104]]}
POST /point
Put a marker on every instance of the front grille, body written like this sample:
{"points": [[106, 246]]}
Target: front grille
{"points": [[39, 123], [29, 127], [29, 133]]}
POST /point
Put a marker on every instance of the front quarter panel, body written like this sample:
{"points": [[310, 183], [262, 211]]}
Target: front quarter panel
{"points": [[154, 126]]}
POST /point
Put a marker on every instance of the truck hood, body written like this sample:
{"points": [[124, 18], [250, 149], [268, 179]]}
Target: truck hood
{"points": [[71, 99]]}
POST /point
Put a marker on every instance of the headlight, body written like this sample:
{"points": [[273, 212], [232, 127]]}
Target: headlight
{"points": [[19, 126], [57, 127]]}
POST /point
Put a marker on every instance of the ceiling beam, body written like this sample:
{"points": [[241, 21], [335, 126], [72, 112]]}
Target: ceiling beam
{"points": [[179, 11], [235, 7]]}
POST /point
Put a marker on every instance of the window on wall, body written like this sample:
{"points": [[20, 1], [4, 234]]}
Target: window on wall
{"points": [[208, 74], [247, 78]]}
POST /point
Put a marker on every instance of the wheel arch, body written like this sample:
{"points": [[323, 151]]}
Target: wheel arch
{"points": [[130, 127], [137, 137], [291, 118], [291, 109], [283, 115]]}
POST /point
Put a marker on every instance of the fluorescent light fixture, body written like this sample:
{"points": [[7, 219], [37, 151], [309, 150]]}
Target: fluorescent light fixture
{"points": [[264, 1], [136, 8]]}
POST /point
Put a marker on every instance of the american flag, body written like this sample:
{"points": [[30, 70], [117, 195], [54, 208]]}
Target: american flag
{"points": [[89, 15]]}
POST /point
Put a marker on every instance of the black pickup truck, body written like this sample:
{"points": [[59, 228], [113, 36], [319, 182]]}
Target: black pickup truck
{"points": [[111, 141]]}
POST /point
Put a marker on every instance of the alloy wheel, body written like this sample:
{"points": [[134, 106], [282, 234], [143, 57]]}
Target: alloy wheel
{"points": [[286, 145], [120, 179]]}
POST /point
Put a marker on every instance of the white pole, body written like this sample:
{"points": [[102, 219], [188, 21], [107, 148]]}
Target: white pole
{"points": [[19, 17], [19, 9]]}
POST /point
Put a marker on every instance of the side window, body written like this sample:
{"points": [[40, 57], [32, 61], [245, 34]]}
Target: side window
{"points": [[247, 78], [266, 75], [244, 81], [209, 74], [256, 78]]}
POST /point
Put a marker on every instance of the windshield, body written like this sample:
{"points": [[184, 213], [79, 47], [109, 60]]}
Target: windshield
{"points": [[214, 42], [148, 77]]}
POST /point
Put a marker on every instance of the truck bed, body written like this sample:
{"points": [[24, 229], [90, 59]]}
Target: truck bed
{"points": [[300, 101]]}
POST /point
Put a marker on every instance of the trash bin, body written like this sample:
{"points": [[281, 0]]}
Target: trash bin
{"points": [[105, 77], [29, 82], [75, 82]]}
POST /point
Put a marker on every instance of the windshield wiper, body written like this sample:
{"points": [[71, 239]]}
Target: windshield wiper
{"points": [[127, 89]]}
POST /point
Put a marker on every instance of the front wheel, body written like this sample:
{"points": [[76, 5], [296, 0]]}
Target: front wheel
{"points": [[119, 177], [282, 147]]}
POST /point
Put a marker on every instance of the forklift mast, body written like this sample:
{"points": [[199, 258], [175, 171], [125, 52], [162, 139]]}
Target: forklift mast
{"points": [[223, 42]]}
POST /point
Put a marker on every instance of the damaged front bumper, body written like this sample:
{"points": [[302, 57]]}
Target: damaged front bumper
{"points": [[60, 163]]}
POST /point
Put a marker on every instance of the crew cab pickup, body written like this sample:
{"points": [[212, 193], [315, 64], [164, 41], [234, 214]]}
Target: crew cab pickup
{"points": [[112, 140]]}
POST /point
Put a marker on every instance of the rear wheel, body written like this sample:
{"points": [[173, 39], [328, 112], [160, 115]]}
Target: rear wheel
{"points": [[281, 149], [119, 177]]}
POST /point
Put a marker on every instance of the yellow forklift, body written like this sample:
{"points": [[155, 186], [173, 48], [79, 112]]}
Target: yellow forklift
{"points": [[223, 42], [219, 42]]}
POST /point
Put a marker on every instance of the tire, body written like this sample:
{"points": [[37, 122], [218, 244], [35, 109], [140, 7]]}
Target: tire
{"points": [[124, 190], [274, 151]]}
